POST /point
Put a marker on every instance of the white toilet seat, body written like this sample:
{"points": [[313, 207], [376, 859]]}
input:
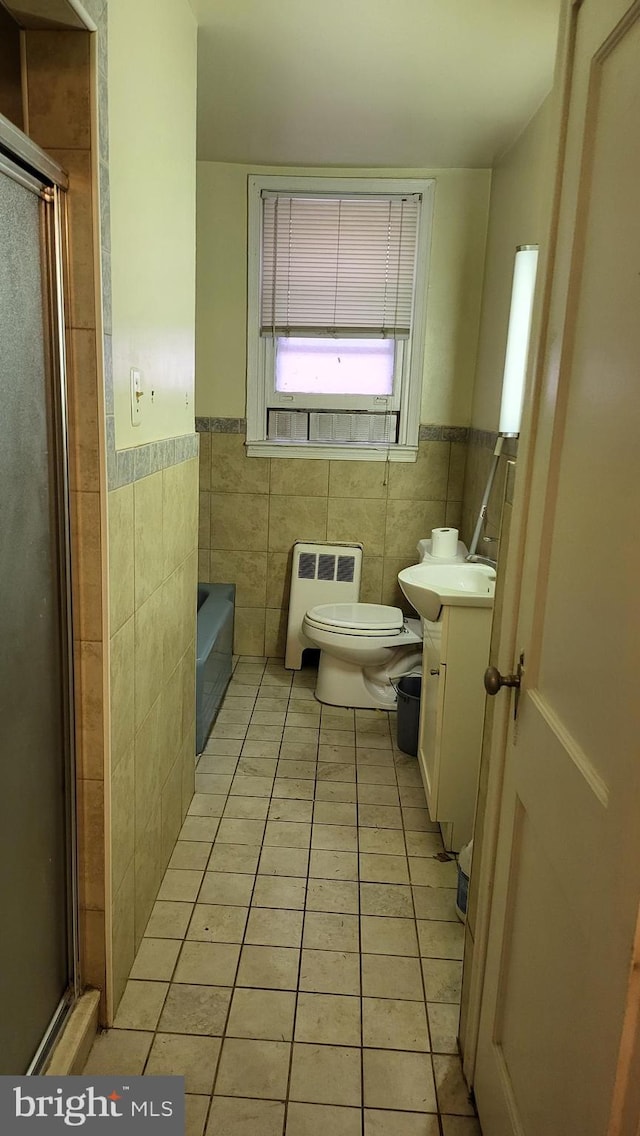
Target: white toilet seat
{"points": [[357, 619]]}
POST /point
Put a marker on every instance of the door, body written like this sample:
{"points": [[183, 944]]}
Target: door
{"points": [[567, 879], [34, 677]]}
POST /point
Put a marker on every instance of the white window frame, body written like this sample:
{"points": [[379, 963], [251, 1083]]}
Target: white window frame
{"points": [[409, 353]]}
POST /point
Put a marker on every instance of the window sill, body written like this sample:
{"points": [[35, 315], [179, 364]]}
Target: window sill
{"points": [[361, 452]]}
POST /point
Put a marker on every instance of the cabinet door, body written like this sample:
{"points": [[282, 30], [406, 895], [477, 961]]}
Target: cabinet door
{"points": [[433, 688]]}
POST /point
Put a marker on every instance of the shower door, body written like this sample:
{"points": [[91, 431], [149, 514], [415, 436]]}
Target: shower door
{"points": [[36, 878]]}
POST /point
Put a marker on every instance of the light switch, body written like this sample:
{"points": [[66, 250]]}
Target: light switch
{"points": [[137, 394]]}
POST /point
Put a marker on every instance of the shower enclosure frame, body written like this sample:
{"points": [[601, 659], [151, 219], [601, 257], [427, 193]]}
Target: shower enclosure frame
{"points": [[24, 161]]}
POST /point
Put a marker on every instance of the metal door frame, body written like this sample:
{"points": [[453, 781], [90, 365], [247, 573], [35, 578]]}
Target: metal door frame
{"points": [[31, 167]]}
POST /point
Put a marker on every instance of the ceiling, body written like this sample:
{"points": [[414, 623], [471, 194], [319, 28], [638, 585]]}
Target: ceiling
{"points": [[395, 83]]}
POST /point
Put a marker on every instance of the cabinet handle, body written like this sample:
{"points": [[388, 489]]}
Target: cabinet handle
{"points": [[435, 671]]}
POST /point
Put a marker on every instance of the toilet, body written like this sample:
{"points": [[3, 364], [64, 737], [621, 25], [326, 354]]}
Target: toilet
{"points": [[365, 648]]}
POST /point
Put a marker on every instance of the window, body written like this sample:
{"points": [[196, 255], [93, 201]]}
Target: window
{"points": [[337, 289]]}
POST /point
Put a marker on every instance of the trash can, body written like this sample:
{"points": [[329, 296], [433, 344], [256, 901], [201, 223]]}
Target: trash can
{"points": [[408, 689]]}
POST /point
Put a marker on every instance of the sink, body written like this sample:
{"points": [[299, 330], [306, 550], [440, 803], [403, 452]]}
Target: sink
{"points": [[429, 587]]}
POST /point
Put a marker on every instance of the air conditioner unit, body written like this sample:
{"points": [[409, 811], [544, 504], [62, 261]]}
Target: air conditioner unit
{"points": [[320, 574]]}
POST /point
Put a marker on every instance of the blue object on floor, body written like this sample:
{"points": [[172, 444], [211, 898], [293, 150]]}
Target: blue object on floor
{"points": [[214, 648]]}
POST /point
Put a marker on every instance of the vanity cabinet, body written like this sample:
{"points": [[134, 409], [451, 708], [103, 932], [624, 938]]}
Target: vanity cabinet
{"points": [[455, 655]]}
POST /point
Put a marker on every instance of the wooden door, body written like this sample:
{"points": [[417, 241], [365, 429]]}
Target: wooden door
{"points": [[567, 880]]}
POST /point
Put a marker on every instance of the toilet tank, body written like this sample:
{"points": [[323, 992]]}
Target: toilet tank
{"points": [[320, 573]]}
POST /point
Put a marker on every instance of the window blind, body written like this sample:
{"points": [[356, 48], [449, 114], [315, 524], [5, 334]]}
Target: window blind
{"points": [[338, 265]]}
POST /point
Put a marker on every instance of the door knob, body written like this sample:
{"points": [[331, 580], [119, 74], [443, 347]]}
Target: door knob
{"points": [[494, 681]]}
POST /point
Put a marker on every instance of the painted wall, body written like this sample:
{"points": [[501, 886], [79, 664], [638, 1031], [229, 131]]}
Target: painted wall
{"points": [[152, 151], [455, 287]]}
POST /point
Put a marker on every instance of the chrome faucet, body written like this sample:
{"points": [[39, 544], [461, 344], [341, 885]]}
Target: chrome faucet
{"points": [[474, 558]]}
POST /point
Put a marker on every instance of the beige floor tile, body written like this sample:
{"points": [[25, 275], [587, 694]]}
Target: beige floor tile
{"points": [[376, 775], [240, 831], [326, 931], [195, 1114], [330, 972], [336, 771], [435, 903], [181, 884], [273, 705], [378, 795], [287, 834], [389, 976], [389, 1023], [460, 1126], [270, 718], [280, 891], [254, 1068], [444, 1020], [384, 1123], [442, 980], [326, 812], [284, 862], [379, 816], [304, 720], [232, 888], [296, 768], [386, 899], [337, 737], [332, 895], [291, 810], [452, 1092], [118, 1053], [301, 735], [215, 923], [325, 1074], [257, 767], [336, 791], [305, 752], [234, 858], [402, 1081], [190, 854], [318, 1119], [294, 788], [278, 928], [141, 1005], [333, 865], [388, 936], [199, 828], [182, 1055], [333, 1019], [254, 748], [264, 733], [225, 766], [232, 1116], [229, 731], [372, 755], [429, 872], [440, 940], [414, 798], [384, 869], [334, 754], [207, 804], [262, 1014], [207, 964], [169, 920], [309, 707], [246, 785], [247, 808], [206, 783], [195, 1009], [223, 747], [382, 841], [156, 960], [424, 843], [269, 968], [335, 837]]}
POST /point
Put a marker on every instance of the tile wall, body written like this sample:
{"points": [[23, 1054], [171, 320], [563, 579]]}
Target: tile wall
{"points": [[152, 576], [252, 510], [480, 447]]}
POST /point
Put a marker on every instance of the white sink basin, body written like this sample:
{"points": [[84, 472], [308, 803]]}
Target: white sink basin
{"points": [[429, 587]]}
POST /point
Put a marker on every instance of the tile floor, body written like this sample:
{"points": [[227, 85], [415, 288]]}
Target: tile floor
{"points": [[301, 966]]}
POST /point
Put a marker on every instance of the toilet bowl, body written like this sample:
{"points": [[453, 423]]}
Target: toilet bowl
{"points": [[364, 649]]}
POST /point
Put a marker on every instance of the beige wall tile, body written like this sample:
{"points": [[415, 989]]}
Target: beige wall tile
{"points": [[170, 724], [123, 945], [426, 478], [247, 570], [351, 519], [86, 554], [148, 869], [204, 519], [232, 471], [90, 722], [84, 457], [189, 599], [122, 817], [278, 579], [121, 556], [147, 775], [188, 766], [92, 951], [275, 633], [296, 518], [59, 77], [457, 462], [358, 479], [204, 566], [149, 567], [408, 522], [171, 809], [239, 522], [149, 643], [371, 581], [176, 515], [91, 844], [299, 477], [188, 666], [81, 292], [392, 593], [249, 626], [122, 670], [173, 617], [453, 514], [204, 462]]}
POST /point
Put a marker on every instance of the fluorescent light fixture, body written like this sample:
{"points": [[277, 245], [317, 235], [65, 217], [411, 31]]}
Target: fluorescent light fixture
{"points": [[518, 335]]}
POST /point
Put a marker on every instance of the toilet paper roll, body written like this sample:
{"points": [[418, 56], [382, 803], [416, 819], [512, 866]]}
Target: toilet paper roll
{"points": [[444, 542]]}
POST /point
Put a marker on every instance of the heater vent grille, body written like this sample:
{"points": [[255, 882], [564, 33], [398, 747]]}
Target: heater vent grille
{"points": [[326, 567], [346, 569], [307, 566]]}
